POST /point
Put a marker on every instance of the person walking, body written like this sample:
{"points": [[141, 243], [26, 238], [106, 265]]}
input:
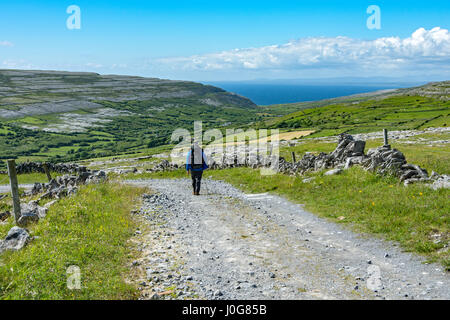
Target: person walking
{"points": [[195, 164]]}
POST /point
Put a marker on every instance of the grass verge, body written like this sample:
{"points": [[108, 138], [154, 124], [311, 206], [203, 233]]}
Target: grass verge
{"points": [[89, 230]]}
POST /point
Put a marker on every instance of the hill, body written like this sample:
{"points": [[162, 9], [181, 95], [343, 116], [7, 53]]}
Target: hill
{"points": [[437, 90], [72, 115], [400, 109]]}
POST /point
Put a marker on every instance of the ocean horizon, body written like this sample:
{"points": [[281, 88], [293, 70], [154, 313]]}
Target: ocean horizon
{"points": [[277, 93]]}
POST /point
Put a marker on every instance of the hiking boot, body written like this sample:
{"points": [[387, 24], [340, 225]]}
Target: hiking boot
{"points": [[197, 193], [194, 193]]}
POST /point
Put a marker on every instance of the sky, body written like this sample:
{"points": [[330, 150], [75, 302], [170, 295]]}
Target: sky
{"points": [[230, 40]]}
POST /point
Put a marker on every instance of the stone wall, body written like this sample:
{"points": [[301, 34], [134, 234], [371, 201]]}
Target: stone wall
{"points": [[349, 152], [30, 167]]}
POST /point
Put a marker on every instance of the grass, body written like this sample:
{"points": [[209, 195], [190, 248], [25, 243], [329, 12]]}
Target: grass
{"points": [[369, 203], [28, 178], [393, 113], [89, 230]]}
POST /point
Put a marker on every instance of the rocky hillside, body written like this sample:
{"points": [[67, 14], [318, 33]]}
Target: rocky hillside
{"points": [[30, 93], [70, 115], [438, 90]]}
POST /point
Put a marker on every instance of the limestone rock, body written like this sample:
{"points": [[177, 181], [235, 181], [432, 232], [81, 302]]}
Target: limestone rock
{"points": [[333, 172], [16, 239]]}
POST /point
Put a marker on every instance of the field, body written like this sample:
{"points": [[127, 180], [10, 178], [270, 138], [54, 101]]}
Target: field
{"points": [[393, 113], [240, 138]]}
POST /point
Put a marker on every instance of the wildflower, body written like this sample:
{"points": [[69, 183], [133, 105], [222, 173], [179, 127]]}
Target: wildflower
{"points": [[421, 193], [360, 191], [391, 186], [373, 203]]}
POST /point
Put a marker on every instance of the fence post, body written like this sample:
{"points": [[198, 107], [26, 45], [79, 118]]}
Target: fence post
{"points": [[385, 136], [47, 172], [12, 173], [293, 157]]}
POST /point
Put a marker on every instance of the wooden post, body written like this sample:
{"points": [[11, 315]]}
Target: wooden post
{"points": [[247, 151], [385, 136], [47, 172], [14, 188], [293, 157]]}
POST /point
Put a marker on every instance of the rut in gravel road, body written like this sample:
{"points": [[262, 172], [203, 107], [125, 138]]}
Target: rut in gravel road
{"points": [[234, 245]]}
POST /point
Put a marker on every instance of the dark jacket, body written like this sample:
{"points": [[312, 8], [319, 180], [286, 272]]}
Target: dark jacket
{"points": [[188, 162]]}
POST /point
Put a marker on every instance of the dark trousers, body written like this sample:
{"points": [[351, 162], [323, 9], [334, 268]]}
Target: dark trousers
{"points": [[196, 180]]}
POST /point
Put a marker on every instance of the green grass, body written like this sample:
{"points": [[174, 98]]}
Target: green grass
{"points": [[28, 178], [89, 230]]}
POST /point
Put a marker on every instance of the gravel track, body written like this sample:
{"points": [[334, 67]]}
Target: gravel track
{"points": [[225, 244], [7, 188]]}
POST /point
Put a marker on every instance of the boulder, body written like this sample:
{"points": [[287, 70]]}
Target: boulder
{"points": [[385, 160], [33, 208], [4, 215], [27, 218], [352, 161], [97, 177], [348, 147], [333, 172], [408, 175], [16, 239], [441, 182]]}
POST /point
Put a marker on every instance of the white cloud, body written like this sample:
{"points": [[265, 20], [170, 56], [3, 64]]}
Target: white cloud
{"points": [[94, 65], [6, 44], [17, 64], [424, 49]]}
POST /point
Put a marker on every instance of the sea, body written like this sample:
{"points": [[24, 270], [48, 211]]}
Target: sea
{"points": [[276, 93]]}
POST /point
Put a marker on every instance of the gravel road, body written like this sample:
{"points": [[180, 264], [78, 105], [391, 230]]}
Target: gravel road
{"points": [[6, 188], [225, 244]]}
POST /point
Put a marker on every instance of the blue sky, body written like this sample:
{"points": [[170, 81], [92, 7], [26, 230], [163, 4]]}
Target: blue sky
{"points": [[229, 40]]}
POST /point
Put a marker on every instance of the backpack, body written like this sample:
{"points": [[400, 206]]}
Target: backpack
{"points": [[196, 165]]}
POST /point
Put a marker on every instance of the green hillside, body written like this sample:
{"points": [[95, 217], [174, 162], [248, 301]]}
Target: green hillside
{"points": [[64, 116], [400, 112], [436, 90]]}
